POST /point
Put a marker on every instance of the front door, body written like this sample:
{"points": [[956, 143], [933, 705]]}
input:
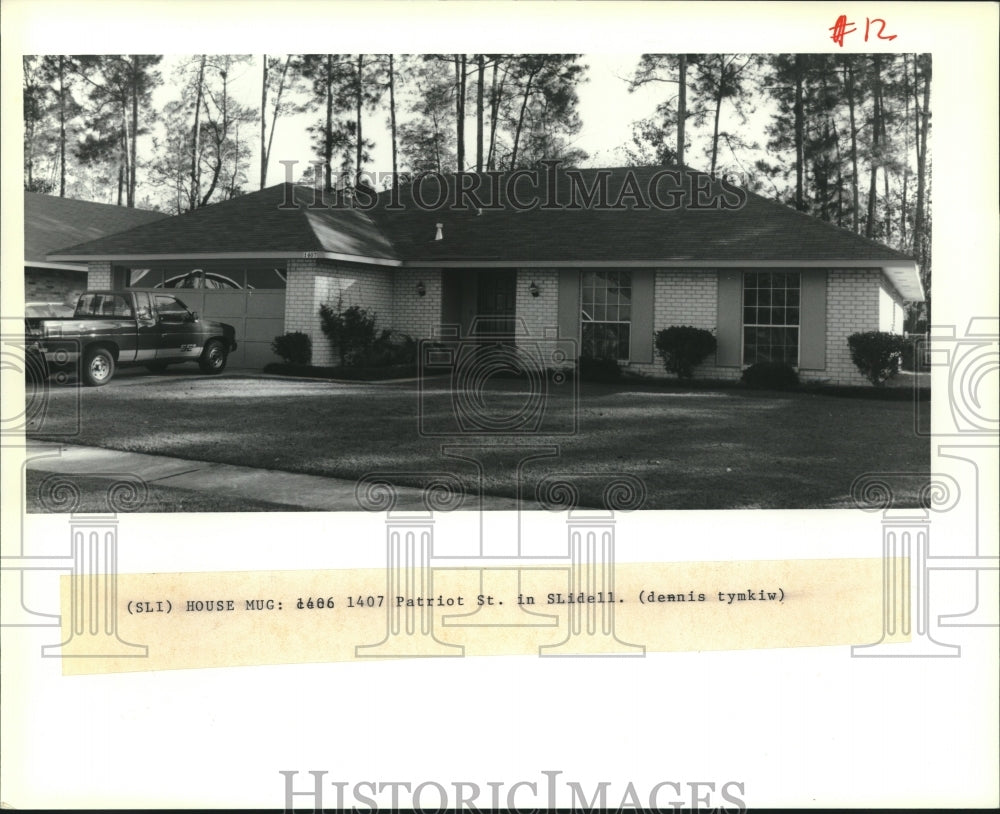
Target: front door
{"points": [[495, 304]]}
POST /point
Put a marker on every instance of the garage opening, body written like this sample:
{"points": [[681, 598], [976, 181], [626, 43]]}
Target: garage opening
{"points": [[249, 295]]}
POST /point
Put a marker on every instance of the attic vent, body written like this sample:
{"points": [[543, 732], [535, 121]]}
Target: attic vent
{"points": [[439, 234]]}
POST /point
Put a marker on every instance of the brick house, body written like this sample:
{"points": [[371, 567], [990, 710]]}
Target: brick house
{"points": [[605, 257], [50, 223]]}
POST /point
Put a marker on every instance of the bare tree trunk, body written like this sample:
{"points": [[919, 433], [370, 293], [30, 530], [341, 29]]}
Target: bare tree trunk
{"points": [[62, 127], [496, 95], [855, 202], [220, 138], [800, 203], [681, 106], [520, 120], [135, 130], [460, 110], [274, 118], [263, 123], [392, 122], [920, 249], [126, 153], [231, 191], [328, 133], [718, 110], [876, 144], [480, 93], [195, 193], [922, 112], [359, 91]]}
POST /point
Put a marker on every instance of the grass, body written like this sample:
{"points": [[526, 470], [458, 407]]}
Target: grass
{"points": [[93, 493], [341, 373], [693, 446]]}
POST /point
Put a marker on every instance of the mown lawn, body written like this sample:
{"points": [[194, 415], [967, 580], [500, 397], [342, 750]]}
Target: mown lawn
{"points": [[93, 497], [692, 447]]}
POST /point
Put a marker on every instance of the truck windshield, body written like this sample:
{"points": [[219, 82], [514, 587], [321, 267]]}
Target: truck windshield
{"points": [[103, 305]]}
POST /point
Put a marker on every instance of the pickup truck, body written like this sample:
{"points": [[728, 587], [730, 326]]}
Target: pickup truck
{"points": [[117, 328]]}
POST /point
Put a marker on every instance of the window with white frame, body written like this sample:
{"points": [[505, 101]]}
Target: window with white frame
{"points": [[771, 317], [606, 314]]}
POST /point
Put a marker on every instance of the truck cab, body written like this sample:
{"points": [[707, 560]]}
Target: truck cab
{"points": [[109, 329]]}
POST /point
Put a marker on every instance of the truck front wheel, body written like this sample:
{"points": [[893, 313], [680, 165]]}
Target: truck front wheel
{"points": [[98, 367], [213, 358]]}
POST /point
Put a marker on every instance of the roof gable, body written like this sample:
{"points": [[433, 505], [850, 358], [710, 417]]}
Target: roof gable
{"points": [[51, 222], [283, 219]]}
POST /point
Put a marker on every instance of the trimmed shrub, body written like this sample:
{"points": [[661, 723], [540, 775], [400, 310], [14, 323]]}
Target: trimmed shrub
{"points": [[770, 375], [351, 332], [392, 348], [876, 354], [294, 347], [599, 370], [682, 348]]}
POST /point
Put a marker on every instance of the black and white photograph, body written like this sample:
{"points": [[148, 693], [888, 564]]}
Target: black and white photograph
{"points": [[379, 428], [275, 277]]}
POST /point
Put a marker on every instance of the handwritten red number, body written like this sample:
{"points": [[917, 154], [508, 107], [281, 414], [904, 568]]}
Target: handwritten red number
{"points": [[881, 28], [840, 29]]}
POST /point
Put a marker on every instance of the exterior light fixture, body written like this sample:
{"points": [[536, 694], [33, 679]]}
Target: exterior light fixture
{"points": [[421, 289], [533, 289]]}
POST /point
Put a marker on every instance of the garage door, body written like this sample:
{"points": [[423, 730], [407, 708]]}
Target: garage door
{"points": [[257, 316]]}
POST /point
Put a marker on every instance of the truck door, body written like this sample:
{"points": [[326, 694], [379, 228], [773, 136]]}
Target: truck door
{"points": [[148, 329], [108, 315], [180, 336]]}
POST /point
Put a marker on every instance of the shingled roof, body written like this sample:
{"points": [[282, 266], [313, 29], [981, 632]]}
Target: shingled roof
{"points": [[279, 220], [51, 222], [641, 229], [740, 227]]}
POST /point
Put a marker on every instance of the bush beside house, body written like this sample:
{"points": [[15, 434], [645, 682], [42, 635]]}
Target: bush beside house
{"points": [[877, 354], [294, 347], [770, 376], [682, 348]]}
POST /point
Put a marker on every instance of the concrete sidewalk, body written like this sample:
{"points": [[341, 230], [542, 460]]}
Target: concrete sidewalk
{"points": [[312, 492]]}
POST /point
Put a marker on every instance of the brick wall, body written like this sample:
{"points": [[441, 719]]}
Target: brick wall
{"points": [[53, 285], [686, 297], [852, 305], [420, 317], [99, 275], [891, 308], [311, 283], [541, 312]]}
